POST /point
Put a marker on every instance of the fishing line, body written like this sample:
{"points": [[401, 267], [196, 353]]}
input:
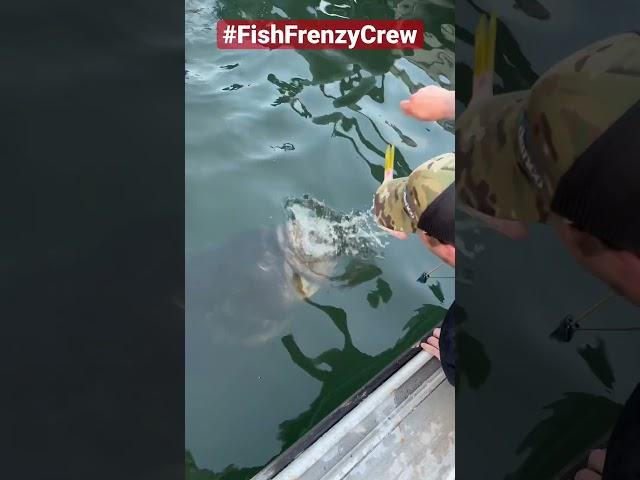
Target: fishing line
{"points": [[623, 329], [570, 324], [595, 306]]}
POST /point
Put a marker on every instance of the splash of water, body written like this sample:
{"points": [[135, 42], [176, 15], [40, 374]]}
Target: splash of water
{"points": [[318, 232]]}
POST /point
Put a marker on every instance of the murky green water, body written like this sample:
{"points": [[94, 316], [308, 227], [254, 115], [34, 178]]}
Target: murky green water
{"points": [[555, 400], [264, 126]]}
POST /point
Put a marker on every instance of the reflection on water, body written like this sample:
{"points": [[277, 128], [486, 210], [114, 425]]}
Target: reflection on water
{"points": [[473, 366], [341, 371], [264, 126], [382, 293], [598, 363], [357, 73], [344, 370], [575, 425]]}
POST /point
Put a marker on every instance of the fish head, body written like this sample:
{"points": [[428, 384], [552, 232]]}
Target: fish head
{"points": [[318, 240]]}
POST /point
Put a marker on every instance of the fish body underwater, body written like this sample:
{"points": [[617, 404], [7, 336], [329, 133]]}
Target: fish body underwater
{"points": [[245, 291]]}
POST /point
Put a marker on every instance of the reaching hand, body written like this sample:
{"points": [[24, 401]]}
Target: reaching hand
{"points": [[431, 104], [594, 467], [395, 233], [432, 345]]}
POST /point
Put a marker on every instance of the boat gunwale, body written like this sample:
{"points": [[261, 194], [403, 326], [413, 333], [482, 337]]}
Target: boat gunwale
{"points": [[284, 459]]}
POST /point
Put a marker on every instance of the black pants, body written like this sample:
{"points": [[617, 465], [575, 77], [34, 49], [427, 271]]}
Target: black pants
{"points": [[447, 344], [623, 450]]}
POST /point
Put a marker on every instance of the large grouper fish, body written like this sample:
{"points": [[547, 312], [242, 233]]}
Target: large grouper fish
{"points": [[245, 290]]}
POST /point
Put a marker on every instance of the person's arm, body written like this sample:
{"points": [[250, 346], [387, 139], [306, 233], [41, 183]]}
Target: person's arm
{"points": [[509, 228], [431, 103], [595, 464]]}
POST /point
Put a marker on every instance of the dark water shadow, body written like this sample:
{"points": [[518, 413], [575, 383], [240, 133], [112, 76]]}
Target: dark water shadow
{"points": [[473, 364], [382, 293], [436, 289], [598, 362], [577, 422], [355, 273], [533, 9]]}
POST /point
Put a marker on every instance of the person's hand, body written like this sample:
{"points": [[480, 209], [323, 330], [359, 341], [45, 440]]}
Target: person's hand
{"points": [[482, 87], [432, 345], [595, 465], [509, 228], [395, 233], [431, 103]]}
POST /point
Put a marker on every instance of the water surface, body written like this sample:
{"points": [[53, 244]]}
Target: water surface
{"points": [[263, 126]]}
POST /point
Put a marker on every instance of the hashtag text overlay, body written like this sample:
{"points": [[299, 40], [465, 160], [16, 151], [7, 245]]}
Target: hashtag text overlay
{"points": [[320, 34]]}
